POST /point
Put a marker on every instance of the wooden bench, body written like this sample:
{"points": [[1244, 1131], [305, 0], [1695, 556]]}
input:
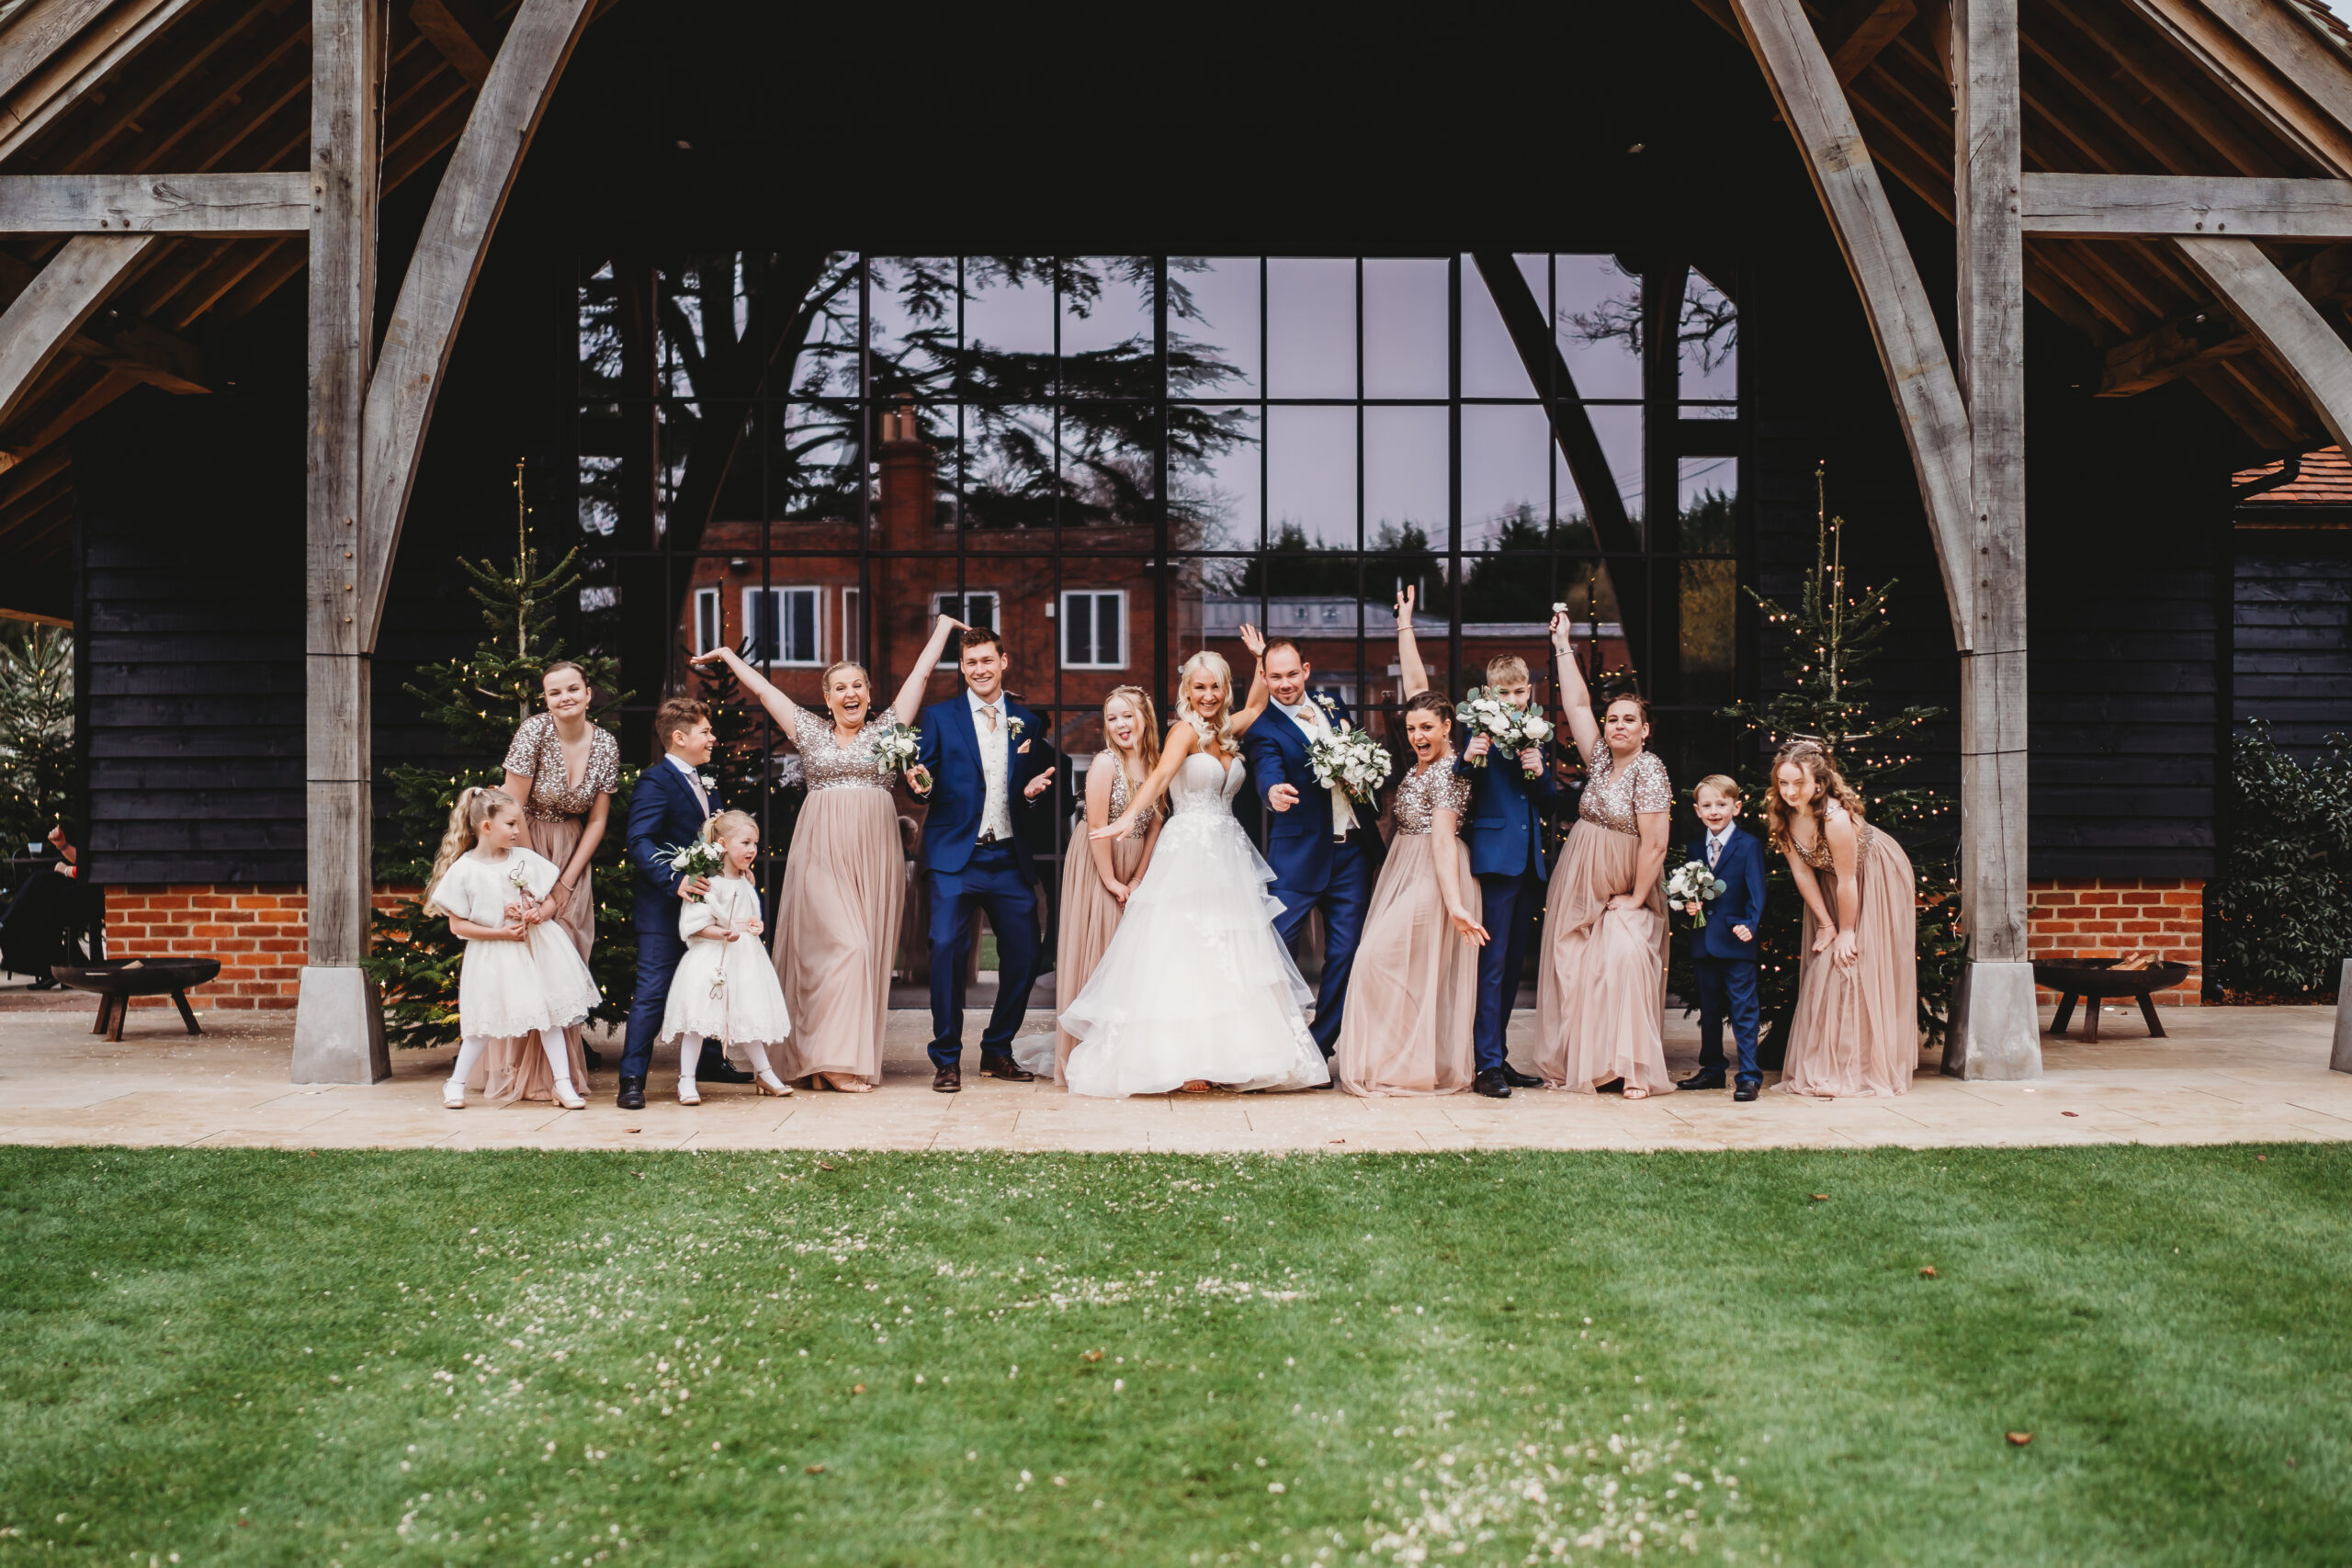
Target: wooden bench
{"points": [[117, 983], [2096, 979]]}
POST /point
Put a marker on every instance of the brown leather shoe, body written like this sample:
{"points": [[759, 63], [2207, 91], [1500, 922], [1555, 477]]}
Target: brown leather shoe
{"points": [[947, 1080], [995, 1066]]}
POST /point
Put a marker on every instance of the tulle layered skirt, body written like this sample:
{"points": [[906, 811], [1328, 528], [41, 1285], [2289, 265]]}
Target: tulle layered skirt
{"points": [[727, 991], [1194, 984], [1089, 916], [1600, 997], [837, 931], [1857, 1031], [514, 1067], [1413, 994]]}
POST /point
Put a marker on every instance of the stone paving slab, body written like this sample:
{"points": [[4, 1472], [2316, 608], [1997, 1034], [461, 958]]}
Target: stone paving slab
{"points": [[2224, 1075]]}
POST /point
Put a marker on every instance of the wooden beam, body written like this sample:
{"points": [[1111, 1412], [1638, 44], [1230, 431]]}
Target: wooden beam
{"points": [[1911, 349], [215, 204], [144, 92], [67, 76], [2152, 360], [38, 30], [441, 274], [62, 295], [2271, 65], [1861, 29], [2152, 64], [2137, 205], [453, 28], [164, 360], [2276, 312]]}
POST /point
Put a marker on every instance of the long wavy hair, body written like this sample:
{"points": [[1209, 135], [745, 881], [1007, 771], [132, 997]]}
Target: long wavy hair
{"points": [[1813, 759], [476, 805], [1147, 732], [1213, 661]]}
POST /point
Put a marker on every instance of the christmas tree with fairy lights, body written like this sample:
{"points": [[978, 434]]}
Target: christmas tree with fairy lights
{"points": [[478, 702], [1833, 633]]}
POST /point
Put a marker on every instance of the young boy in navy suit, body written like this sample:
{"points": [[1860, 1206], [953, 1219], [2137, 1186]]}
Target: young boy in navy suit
{"points": [[1723, 950], [1509, 798]]}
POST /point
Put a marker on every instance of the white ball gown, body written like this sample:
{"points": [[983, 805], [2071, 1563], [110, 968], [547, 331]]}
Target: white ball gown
{"points": [[1195, 985]]}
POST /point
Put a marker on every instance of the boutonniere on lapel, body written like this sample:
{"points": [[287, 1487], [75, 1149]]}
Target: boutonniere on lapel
{"points": [[708, 781], [1331, 709], [1013, 726]]}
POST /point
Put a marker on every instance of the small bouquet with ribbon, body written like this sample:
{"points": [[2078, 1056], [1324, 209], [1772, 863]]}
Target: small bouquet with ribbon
{"points": [[895, 750], [1349, 760], [700, 858], [1691, 887]]}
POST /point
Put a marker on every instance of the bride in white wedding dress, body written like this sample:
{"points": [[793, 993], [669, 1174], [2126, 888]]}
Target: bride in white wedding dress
{"points": [[1196, 988]]}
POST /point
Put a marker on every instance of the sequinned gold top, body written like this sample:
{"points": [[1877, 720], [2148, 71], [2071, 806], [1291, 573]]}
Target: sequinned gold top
{"points": [[827, 762], [1427, 790], [1818, 856], [1613, 797], [537, 752]]}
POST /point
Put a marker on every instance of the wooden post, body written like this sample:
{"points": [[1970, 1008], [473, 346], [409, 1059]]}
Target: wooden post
{"points": [[1994, 1028], [339, 1027]]}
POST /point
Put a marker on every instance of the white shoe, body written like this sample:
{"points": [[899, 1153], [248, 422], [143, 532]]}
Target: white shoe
{"points": [[453, 1094], [688, 1093], [568, 1097]]}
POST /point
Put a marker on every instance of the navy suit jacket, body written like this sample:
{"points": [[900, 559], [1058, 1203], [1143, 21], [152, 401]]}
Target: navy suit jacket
{"points": [[1742, 902], [661, 812], [1298, 841], [959, 790], [1504, 826]]}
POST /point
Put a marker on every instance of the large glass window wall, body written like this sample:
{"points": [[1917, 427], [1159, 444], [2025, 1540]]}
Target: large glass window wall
{"points": [[1119, 460]]}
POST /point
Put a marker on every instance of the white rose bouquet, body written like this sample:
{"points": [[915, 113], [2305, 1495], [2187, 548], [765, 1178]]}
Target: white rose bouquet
{"points": [[896, 748], [698, 859], [1349, 760], [1508, 727], [1691, 887]]}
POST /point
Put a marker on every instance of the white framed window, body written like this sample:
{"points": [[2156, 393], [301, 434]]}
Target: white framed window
{"points": [[785, 626], [976, 607], [708, 630], [1094, 629]]}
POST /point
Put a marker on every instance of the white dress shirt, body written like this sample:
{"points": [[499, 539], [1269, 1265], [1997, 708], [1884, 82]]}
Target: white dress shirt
{"points": [[989, 721], [694, 782], [1716, 842], [1310, 717]]}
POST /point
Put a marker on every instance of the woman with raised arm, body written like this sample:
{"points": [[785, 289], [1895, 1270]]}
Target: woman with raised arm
{"points": [[563, 767], [845, 878], [1601, 1000], [1413, 993], [1857, 1026], [1195, 990]]}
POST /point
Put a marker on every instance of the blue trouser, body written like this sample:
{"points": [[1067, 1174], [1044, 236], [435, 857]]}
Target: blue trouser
{"points": [[991, 880], [1727, 985], [658, 948], [1343, 900], [1510, 904]]}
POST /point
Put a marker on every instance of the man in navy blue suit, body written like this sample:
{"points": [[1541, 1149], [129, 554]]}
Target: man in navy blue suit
{"points": [[1723, 950], [987, 759], [672, 801], [1509, 797], [1316, 839]]}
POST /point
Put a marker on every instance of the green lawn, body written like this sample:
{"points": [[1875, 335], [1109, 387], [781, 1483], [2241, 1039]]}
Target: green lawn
{"points": [[344, 1359]]}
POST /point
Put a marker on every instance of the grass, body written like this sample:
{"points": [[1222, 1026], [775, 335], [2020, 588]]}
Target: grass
{"points": [[348, 1357]]}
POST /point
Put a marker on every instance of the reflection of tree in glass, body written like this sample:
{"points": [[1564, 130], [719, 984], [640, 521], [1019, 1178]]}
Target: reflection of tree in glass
{"points": [[1294, 565], [1709, 328]]}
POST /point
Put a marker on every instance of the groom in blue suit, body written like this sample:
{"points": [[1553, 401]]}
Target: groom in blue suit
{"points": [[1317, 843], [1509, 798], [1724, 951], [987, 759]]}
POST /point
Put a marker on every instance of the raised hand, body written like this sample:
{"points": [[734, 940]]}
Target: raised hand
{"points": [[1563, 641], [1405, 605], [1254, 640]]}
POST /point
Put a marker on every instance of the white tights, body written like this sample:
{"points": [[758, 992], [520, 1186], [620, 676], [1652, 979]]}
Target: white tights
{"points": [[690, 1054], [470, 1051]]}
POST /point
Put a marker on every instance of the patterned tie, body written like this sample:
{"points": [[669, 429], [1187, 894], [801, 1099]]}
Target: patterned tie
{"points": [[694, 782], [1715, 848]]}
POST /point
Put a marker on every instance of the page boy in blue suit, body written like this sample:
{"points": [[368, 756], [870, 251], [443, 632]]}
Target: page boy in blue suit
{"points": [[1723, 950], [987, 759], [671, 801], [1511, 796]]}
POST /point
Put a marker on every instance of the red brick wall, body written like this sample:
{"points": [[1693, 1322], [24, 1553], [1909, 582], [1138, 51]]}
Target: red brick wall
{"points": [[2114, 917], [260, 934]]}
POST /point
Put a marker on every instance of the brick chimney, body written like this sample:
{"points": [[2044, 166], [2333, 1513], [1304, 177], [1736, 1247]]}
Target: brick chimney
{"points": [[909, 501]]}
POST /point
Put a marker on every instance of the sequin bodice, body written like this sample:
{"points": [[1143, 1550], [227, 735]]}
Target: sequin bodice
{"points": [[1119, 797], [1427, 790], [1818, 855], [538, 752], [1614, 797], [826, 763]]}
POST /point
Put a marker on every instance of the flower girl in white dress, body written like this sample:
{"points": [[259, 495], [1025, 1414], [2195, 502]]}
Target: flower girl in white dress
{"points": [[521, 974], [724, 986]]}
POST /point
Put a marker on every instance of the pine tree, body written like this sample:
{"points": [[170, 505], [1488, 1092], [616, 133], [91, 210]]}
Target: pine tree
{"points": [[478, 701], [1834, 632]]}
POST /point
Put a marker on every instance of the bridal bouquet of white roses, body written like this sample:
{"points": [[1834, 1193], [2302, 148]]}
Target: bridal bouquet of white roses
{"points": [[1347, 759], [1692, 886], [894, 749], [698, 859], [1508, 727]]}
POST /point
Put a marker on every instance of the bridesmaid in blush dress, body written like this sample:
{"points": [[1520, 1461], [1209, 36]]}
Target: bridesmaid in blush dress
{"points": [[1099, 874], [1601, 1000], [1857, 1025], [563, 768], [844, 878]]}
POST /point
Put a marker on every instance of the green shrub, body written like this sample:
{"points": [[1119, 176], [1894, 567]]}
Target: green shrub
{"points": [[2278, 920]]}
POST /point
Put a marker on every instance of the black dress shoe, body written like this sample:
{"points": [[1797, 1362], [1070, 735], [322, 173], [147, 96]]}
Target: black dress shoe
{"points": [[1000, 1064], [1491, 1083], [632, 1095], [1517, 1079], [947, 1080], [1746, 1089], [1703, 1079], [714, 1067]]}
